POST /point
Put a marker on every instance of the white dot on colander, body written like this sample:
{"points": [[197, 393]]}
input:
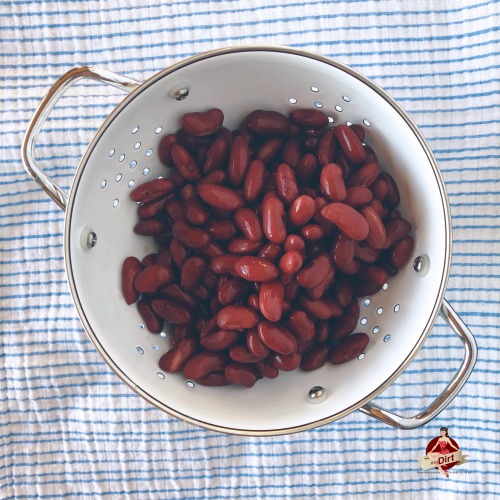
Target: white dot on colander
{"points": [[385, 286], [160, 375], [380, 310], [140, 350], [137, 145], [348, 123], [367, 123], [330, 119], [141, 326], [103, 184], [318, 104], [367, 302], [158, 130], [387, 338], [190, 383], [363, 321], [118, 177], [292, 100], [361, 356], [116, 202], [122, 157], [145, 171], [155, 348], [111, 153], [149, 152], [131, 184], [133, 164], [135, 129], [397, 307], [376, 329], [314, 89], [346, 98], [339, 108], [163, 335]]}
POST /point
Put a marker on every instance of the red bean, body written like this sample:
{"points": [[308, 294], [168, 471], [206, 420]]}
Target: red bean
{"points": [[343, 254], [152, 190], [285, 362], [215, 155], [380, 189], [244, 246], [185, 163], [327, 147], [239, 158], [249, 224], [312, 232], [231, 291], [175, 292], [271, 296], [396, 229], [309, 118], [240, 374], [192, 272], [374, 275], [349, 348], [365, 176], [291, 152], [241, 354], [152, 278], [332, 182], [289, 264], [393, 198], [365, 252], [401, 252], [358, 130], [171, 311], [175, 209], [270, 252], [151, 208], [220, 197], [350, 144], [358, 196], [149, 227], [342, 292], [273, 225], [277, 337], [301, 325], [376, 236], [269, 123], [314, 273], [152, 321], [175, 359], [295, 243], [202, 363], [341, 327], [202, 124], [255, 269], [347, 219], [254, 180], [221, 230], [324, 308], [195, 212], [164, 149], [286, 183], [302, 210], [130, 269], [255, 345], [269, 149], [315, 357], [306, 168], [224, 264], [219, 340], [214, 379], [190, 236], [237, 318]]}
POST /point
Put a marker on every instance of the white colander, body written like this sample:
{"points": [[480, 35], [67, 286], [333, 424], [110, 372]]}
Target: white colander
{"points": [[100, 217]]}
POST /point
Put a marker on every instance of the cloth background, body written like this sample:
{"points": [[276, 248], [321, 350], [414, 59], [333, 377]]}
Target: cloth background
{"points": [[68, 427]]}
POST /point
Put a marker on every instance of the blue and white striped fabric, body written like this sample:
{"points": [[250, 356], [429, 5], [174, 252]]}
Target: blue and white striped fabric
{"points": [[68, 427]]}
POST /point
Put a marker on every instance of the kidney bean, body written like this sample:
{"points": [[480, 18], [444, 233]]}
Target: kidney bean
{"points": [[291, 290], [343, 254], [239, 158], [322, 330], [306, 167], [237, 318], [315, 357], [130, 269], [149, 259], [285, 362], [152, 190], [219, 340], [221, 230], [195, 213], [255, 345], [269, 123], [396, 229], [342, 292], [181, 332], [312, 232], [149, 227], [175, 292], [152, 321], [296, 243], [185, 163], [311, 144], [192, 272], [376, 236], [393, 214], [301, 325], [243, 246], [213, 177], [380, 189], [361, 289], [373, 274], [347, 219], [190, 236], [164, 149], [350, 144], [276, 337], [382, 211], [401, 252], [302, 210], [241, 354], [175, 210], [309, 118], [204, 362], [289, 264], [365, 176], [215, 155], [332, 182], [327, 147], [393, 198], [240, 374], [324, 308], [358, 130], [320, 203], [291, 152], [286, 183], [318, 291], [269, 149], [231, 291], [151, 208], [152, 277], [187, 192], [202, 124], [365, 252], [214, 379], [220, 197], [175, 359], [341, 327], [273, 225], [270, 252], [314, 273], [249, 224], [211, 250], [224, 264], [358, 196], [266, 369], [271, 296], [255, 269], [349, 348], [171, 311], [254, 180]]}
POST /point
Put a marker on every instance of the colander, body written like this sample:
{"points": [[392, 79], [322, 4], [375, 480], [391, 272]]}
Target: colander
{"points": [[100, 216]]}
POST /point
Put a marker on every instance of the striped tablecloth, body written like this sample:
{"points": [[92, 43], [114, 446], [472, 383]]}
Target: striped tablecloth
{"points": [[68, 427]]}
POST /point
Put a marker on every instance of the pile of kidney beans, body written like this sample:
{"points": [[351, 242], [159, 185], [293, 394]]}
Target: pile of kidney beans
{"points": [[267, 235]]}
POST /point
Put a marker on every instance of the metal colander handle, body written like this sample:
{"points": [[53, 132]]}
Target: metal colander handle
{"points": [[43, 111], [451, 390]]}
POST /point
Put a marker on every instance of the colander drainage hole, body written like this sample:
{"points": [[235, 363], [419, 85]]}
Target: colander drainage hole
{"points": [[376, 329], [145, 171], [155, 347], [330, 119], [135, 129], [149, 152], [131, 184], [118, 177], [190, 384], [361, 356], [314, 89], [367, 302], [137, 145], [160, 375], [363, 321], [158, 130], [318, 104], [140, 350], [141, 326], [348, 123], [163, 335], [122, 157], [346, 98], [292, 100], [385, 286], [367, 123], [103, 184], [397, 307], [339, 108], [380, 310], [387, 338], [116, 202], [111, 153], [133, 164]]}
